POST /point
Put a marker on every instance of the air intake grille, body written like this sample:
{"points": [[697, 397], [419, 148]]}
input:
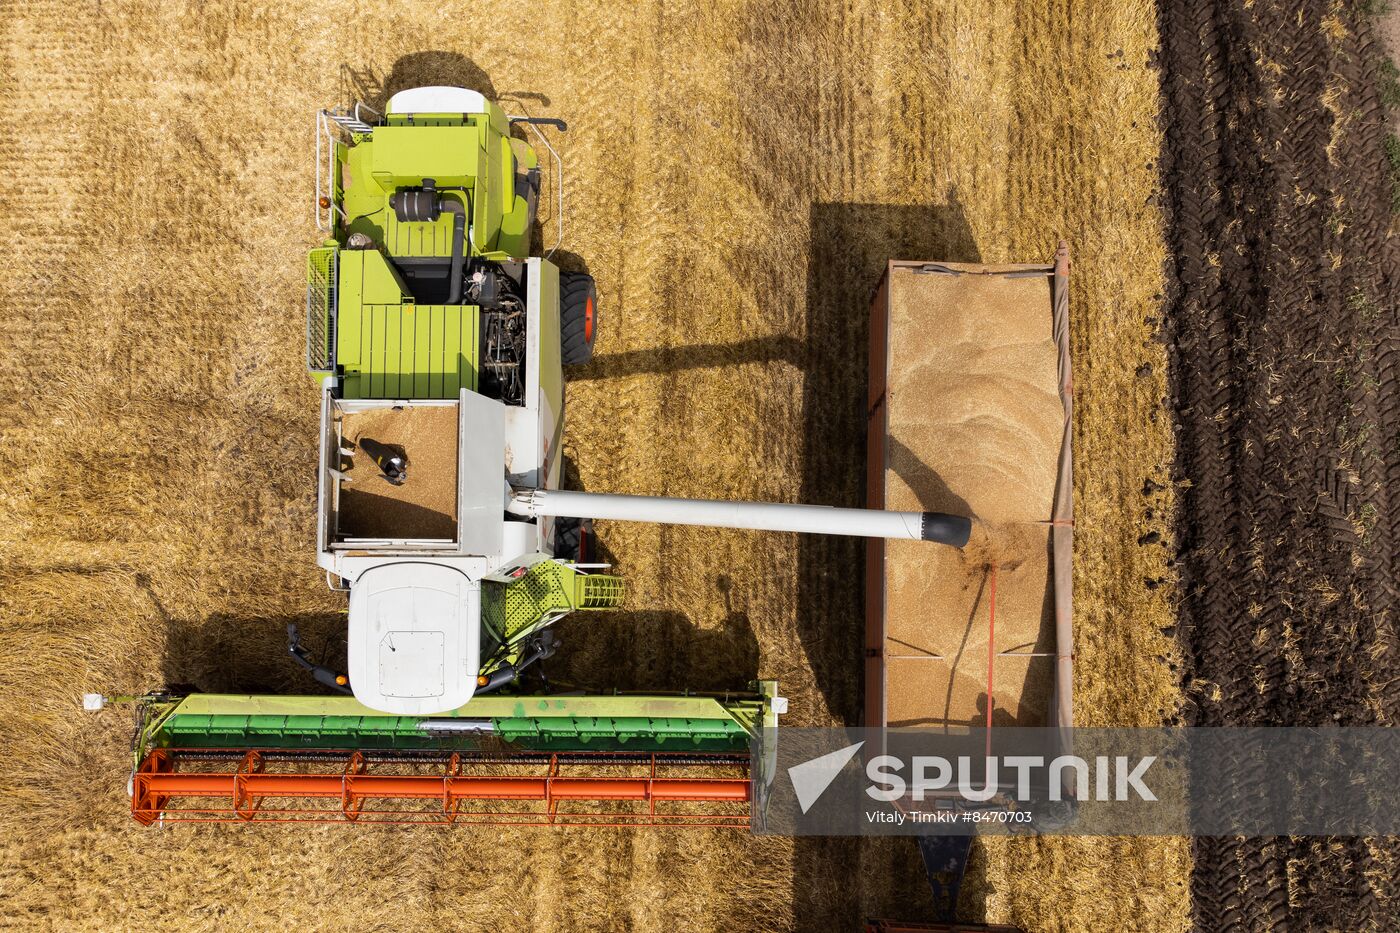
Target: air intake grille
{"points": [[600, 592], [321, 309], [547, 587]]}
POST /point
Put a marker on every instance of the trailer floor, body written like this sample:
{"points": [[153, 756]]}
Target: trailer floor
{"points": [[738, 174]]}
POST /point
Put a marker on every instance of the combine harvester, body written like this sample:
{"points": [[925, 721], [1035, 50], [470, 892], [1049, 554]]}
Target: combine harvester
{"points": [[440, 343]]}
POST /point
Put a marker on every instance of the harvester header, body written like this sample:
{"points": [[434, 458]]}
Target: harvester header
{"points": [[569, 760]]}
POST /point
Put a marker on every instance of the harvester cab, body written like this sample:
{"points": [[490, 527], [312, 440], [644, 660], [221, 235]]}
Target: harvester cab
{"points": [[440, 340]]}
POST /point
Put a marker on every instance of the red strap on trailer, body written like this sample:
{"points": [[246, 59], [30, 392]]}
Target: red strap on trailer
{"points": [[991, 649]]}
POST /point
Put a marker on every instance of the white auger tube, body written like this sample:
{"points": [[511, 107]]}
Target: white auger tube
{"points": [[765, 516]]}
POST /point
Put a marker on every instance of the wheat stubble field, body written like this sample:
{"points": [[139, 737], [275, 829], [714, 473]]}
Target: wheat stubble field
{"points": [[738, 173]]}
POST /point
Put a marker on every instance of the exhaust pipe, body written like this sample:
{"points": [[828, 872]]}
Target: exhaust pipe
{"points": [[940, 527]]}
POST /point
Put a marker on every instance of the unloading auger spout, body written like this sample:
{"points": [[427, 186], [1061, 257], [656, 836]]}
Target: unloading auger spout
{"points": [[940, 527]]}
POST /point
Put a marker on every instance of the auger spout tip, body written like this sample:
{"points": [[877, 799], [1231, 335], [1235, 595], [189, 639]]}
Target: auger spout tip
{"points": [[946, 529]]}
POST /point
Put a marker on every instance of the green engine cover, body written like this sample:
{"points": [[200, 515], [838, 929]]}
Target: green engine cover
{"points": [[363, 321], [390, 347]]}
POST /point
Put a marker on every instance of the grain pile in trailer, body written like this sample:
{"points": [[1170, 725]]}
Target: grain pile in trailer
{"points": [[969, 414]]}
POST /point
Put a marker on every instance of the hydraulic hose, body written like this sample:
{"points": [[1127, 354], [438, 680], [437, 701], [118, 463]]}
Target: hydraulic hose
{"points": [[323, 674], [459, 233], [544, 646]]}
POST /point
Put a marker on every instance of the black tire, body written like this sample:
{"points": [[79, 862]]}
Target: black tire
{"points": [[578, 317], [568, 532], [573, 539]]}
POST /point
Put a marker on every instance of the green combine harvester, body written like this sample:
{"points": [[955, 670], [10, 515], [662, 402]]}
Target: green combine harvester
{"points": [[440, 344]]}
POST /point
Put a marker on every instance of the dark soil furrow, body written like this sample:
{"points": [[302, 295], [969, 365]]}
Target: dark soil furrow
{"points": [[1193, 92], [1370, 305], [1286, 384]]}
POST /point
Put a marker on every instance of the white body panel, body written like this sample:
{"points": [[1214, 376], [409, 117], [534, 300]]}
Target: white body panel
{"points": [[480, 440], [437, 99], [524, 453], [520, 537], [535, 430], [399, 585], [414, 639]]}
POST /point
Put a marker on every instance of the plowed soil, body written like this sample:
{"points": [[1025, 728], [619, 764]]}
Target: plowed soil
{"points": [[1282, 316], [738, 174]]}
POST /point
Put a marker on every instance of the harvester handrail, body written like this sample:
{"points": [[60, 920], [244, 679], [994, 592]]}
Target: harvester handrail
{"points": [[558, 182], [323, 129], [325, 184]]}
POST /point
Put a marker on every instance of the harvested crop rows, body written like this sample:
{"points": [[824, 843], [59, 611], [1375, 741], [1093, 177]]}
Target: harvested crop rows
{"points": [[738, 175], [1282, 319]]}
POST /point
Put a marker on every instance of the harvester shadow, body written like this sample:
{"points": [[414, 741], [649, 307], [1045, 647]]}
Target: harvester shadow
{"points": [[228, 653], [569, 478], [418, 69], [655, 651], [568, 262], [850, 246], [702, 356], [659, 650], [924, 482]]}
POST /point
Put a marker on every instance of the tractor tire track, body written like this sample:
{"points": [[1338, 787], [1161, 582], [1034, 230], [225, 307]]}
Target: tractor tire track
{"points": [[1286, 393]]}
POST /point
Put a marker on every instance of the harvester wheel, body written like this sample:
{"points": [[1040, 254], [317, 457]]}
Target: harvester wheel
{"points": [[578, 317], [573, 539]]}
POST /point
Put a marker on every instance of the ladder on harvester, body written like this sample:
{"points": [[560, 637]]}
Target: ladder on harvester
{"points": [[326, 206], [351, 121], [527, 598]]}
